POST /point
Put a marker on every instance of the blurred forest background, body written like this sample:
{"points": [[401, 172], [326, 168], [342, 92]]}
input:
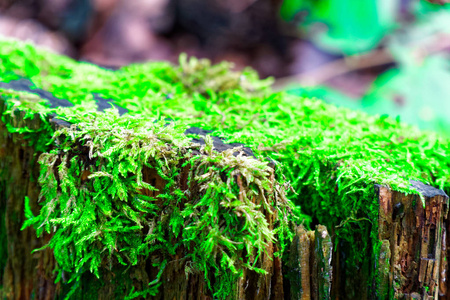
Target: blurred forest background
{"points": [[389, 57]]}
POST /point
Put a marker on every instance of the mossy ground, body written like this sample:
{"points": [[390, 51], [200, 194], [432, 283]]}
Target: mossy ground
{"points": [[330, 156]]}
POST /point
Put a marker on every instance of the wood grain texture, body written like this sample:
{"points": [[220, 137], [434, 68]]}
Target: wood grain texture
{"points": [[413, 235], [26, 275]]}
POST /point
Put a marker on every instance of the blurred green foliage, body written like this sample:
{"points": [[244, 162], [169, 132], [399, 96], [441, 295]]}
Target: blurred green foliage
{"points": [[352, 26], [346, 26], [416, 89], [418, 94]]}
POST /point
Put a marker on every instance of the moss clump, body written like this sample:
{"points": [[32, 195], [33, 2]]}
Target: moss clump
{"points": [[108, 217], [330, 156]]}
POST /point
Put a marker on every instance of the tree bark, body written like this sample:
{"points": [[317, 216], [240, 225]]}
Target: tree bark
{"points": [[25, 274], [412, 233], [310, 268]]}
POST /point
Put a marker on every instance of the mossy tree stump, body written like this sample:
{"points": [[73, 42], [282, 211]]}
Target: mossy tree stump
{"points": [[30, 275], [407, 230], [126, 205]]}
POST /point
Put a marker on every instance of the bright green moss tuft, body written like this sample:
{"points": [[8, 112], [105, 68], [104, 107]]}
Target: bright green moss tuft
{"points": [[330, 156], [106, 219]]}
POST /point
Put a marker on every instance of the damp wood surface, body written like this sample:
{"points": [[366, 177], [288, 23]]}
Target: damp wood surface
{"points": [[413, 234], [25, 274]]}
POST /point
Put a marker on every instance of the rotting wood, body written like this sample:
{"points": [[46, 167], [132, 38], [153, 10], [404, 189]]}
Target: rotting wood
{"points": [[384, 272], [323, 250], [443, 276], [414, 231], [299, 264], [24, 273], [310, 269]]}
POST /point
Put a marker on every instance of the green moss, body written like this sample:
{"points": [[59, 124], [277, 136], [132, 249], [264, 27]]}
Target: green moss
{"points": [[106, 219], [330, 156]]}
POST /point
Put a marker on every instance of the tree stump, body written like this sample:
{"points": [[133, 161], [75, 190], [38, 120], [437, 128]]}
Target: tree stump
{"points": [[144, 233]]}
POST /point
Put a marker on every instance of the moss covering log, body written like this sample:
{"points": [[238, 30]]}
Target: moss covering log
{"points": [[130, 196]]}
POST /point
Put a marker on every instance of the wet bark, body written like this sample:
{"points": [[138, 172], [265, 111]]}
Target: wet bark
{"points": [[310, 268], [412, 232], [299, 264], [24, 275], [322, 276]]}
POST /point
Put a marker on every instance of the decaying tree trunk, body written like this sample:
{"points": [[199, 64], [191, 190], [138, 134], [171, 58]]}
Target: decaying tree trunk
{"points": [[412, 263], [30, 275], [25, 274]]}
